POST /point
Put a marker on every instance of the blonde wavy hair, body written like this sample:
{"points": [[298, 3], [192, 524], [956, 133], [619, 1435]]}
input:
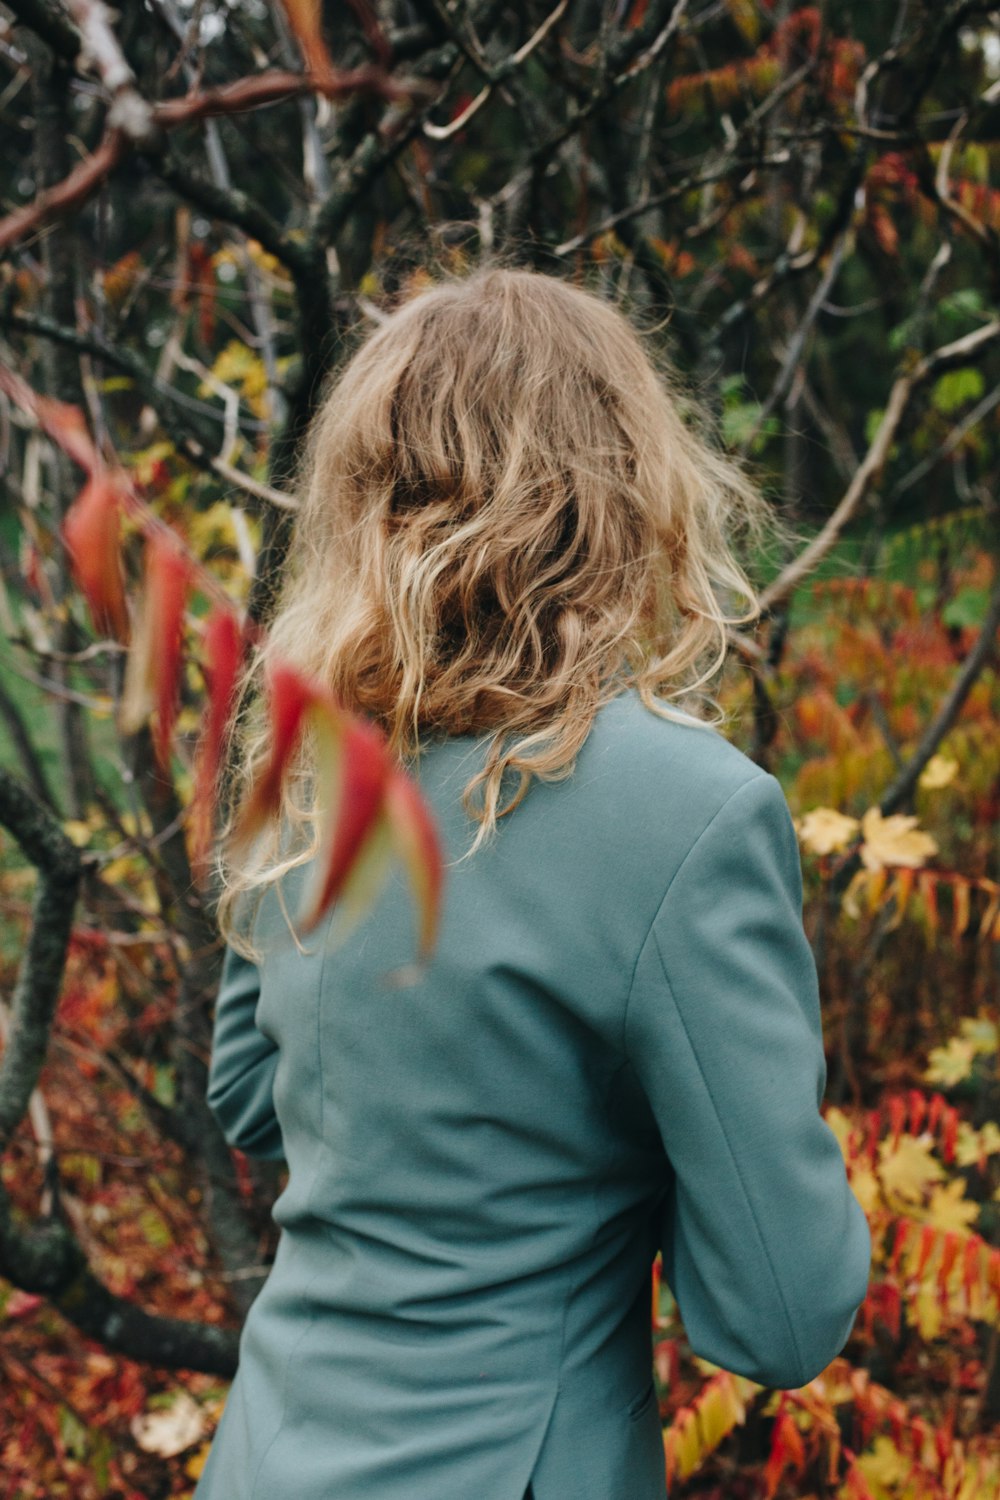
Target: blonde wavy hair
{"points": [[510, 510]]}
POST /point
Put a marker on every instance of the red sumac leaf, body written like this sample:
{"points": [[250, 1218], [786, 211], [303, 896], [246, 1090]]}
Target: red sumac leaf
{"points": [[288, 696], [354, 769], [416, 841], [91, 530], [918, 1109], [153, 669]]}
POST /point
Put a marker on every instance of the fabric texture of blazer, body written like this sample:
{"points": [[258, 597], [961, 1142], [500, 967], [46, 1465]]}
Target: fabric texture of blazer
{"points": [[615, 1048]]}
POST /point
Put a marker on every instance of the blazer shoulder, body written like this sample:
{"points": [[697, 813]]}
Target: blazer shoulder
{"points": [[666, 757]]}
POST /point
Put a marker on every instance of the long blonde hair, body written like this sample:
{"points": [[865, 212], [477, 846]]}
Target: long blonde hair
{"points": [[507, 515]]}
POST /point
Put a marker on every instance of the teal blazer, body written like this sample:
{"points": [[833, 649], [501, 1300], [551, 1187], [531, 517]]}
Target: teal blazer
{"points": [[616, 1048]]}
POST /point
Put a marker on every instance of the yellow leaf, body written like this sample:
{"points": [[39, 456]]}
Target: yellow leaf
{"points": [[910, 1169], [197, 1461], [856, 886], [927, 1309], [840, 1125], [973, 1144], [884, 1465], [745, 17], [823, 830], [238, 365], [866, 1188], [950, 1209], [981, 1032], [938, 772], [950, 1064], [895, 840]]}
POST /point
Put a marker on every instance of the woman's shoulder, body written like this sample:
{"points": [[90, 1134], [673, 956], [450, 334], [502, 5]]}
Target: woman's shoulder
{"points": [[649, 749]]}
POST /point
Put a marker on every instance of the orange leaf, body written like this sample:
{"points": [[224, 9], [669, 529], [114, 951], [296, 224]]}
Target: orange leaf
{"points": [[949, 1133], [993, 1272], [927, 885], [91, 530], [961, 907], [971, 1266], [222, 647], [928, 1239], [417, 844], [903, 879], [306, 19], [153, 670], [948, 1256]]}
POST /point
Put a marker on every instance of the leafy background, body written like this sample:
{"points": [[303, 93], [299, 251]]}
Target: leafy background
{"points": [[802, 201]]}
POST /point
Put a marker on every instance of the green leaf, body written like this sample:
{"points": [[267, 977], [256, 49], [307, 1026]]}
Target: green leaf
{"points": [[957, 387], [74, 1434], [155, 1229], [164, 1084], [968, 608]]}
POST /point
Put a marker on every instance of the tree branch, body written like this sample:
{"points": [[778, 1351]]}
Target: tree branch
{"points": [[949, 355], [903, 787]]}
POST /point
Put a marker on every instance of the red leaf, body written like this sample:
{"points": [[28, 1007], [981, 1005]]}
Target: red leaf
{"points": [[890, 1306], [903, 1228], [66, 425], [19, 1304], [289, 695], [153, 670], [971, 1266], [871, 1145], [856, 1486], [897, 1117], [417, 843], [949, 1133], [898, 1417], [928, 1239], [786, 1450], [356, 771], [368, 805], [918, 1436], [937, 1104], [918, 1109], [91, 530], [222, 648]]}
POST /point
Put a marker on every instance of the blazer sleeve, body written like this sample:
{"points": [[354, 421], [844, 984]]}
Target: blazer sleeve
{"points": [[765, 1247], [243, 1060]]}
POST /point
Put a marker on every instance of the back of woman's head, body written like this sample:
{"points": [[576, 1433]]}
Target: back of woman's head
{"points": [[507, 514]]}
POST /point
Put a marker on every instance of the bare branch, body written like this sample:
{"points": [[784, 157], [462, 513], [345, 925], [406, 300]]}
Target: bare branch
{"points": [[944, 358]]}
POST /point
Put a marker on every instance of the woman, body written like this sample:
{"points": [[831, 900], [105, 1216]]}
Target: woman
{"points": [[510, 553]]}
